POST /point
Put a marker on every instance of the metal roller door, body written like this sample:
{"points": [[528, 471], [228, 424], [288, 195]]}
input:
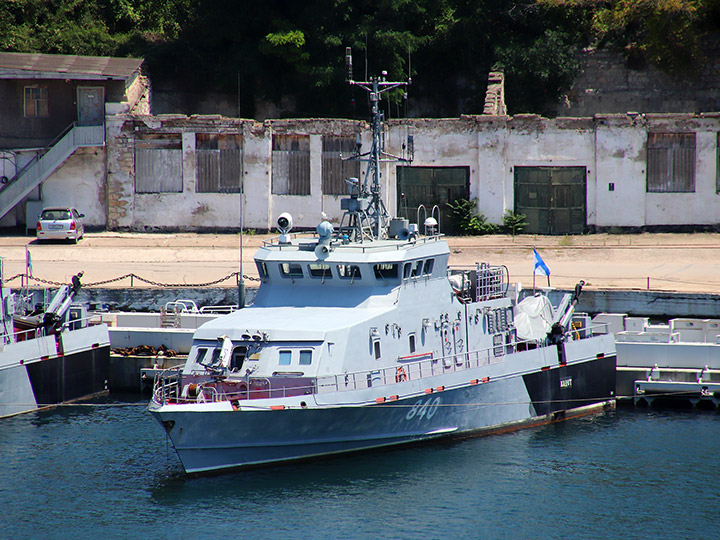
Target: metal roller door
{"points": [[552, 198]]}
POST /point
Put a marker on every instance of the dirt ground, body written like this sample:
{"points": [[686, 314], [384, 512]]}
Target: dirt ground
{"points": [[659, 262]]}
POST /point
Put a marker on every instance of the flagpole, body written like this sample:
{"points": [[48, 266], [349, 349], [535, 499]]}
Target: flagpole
{"points": [[533, 270]]}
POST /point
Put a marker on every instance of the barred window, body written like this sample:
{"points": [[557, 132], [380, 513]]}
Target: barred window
{"points": [[36, 102], [335, 170], [671, 163], [219, 163], [291, 165], [158, 164]]}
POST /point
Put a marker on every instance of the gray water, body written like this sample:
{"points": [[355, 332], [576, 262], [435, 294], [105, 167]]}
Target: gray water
{"points": [[107, 472]]}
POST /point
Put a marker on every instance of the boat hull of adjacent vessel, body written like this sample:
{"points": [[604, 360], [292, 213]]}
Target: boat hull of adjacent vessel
{"points": [[34, 374], [209, 438]]}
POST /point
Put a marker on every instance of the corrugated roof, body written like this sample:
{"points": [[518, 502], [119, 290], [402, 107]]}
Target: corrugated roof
{"points": [[16, 65]]}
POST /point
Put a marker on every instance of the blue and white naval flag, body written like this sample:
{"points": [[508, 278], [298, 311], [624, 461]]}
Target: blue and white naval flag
{"points": [[540, 266]]}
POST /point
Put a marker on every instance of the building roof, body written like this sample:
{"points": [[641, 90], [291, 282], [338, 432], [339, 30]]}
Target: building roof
{"points": [[61, 66]]}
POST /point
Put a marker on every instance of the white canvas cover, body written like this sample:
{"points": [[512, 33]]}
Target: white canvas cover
{"points": [[533, 317]]}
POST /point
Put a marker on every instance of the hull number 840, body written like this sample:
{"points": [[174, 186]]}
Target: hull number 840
{"points": [[423, 408]]}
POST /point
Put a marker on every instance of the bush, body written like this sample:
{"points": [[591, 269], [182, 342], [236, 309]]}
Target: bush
{"points": [[514, 223], [466, 221]]}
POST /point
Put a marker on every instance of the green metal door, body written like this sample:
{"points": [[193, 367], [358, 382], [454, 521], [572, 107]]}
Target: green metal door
{"points": [[431, 186], [552, 198]]}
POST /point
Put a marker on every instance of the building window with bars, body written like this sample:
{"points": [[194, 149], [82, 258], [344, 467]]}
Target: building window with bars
{"points": [[291, 165], [671, 163], [336, 169], [158, 164], [219, 163], [36, 102]]}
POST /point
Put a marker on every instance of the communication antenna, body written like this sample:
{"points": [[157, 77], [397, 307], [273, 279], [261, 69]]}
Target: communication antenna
{"points": [[376, 86]]}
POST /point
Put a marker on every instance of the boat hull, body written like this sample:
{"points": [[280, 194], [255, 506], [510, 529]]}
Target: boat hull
{"points": [[34, 375], [214, 440]]}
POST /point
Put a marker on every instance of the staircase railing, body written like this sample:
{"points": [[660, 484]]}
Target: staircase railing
{"points": [[46, 161]]}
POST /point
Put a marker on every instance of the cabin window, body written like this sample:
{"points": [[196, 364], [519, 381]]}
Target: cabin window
{"points": [[320, 271], [262, 269], [291, 270], [238, 357], [407, 268], [411, 340], [386, 271], [428, 266], [376, 347], [348, 271], [201, 354], [305, 358], [284, 358], [36, 102]]}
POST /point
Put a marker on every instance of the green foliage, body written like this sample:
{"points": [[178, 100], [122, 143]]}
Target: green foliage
{"points": [[465, 220], [513, 222], [271, 49], [666, 33]]}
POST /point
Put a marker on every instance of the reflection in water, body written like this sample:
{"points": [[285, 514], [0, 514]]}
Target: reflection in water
{"points": [[109, 471]]}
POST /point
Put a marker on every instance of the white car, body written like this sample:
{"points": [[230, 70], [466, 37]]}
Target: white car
{"points": [[60, 223]]}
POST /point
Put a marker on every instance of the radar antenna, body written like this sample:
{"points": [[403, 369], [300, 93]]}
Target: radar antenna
{"points": [[366, 205]]}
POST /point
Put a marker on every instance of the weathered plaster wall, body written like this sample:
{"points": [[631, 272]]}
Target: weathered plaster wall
{"points": [[80, 182], [620, 164], [612, 148]]}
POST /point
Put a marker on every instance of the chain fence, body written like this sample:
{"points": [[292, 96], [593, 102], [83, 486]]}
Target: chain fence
{"points": [[133, 277]]}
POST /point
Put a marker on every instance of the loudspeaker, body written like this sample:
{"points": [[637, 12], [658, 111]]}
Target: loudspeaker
{"points": [[322, 251]]}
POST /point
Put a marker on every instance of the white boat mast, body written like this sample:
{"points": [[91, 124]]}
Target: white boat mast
{"points": [[368, 207]]}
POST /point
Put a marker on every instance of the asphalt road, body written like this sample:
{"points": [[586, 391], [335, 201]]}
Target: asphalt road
{"points": [[660, 262]]}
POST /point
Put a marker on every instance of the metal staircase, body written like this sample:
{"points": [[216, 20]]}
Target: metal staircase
{"points": [[47, 161]]}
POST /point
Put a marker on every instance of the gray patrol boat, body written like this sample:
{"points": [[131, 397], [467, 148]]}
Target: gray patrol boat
{"points": [[363, 337]]}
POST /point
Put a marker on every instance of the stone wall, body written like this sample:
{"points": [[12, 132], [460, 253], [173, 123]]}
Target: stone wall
{"points": [[606, 85]]}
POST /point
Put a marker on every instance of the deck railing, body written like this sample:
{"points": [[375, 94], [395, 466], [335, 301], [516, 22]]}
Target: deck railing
{"points": [[208, 388]]}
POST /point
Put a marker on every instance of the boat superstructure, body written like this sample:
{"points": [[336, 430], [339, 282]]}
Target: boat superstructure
{"points": [[362, 336], [51, 354]]}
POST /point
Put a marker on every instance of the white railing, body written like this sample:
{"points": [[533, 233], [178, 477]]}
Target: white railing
{"points": [[406, 369]]}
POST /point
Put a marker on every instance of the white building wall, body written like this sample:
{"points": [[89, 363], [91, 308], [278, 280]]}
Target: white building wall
{"points": [[621, 161], [80, 182], [612, 148], [494, 180]]}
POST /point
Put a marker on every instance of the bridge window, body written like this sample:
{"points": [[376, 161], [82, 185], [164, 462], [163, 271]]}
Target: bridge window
{"points": [[262, 269], [348, 271], [407, 268], [417, 269], [428, 266], [284, 358], [320, 270], [305, 358], [386, 271], [291, 270]]}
